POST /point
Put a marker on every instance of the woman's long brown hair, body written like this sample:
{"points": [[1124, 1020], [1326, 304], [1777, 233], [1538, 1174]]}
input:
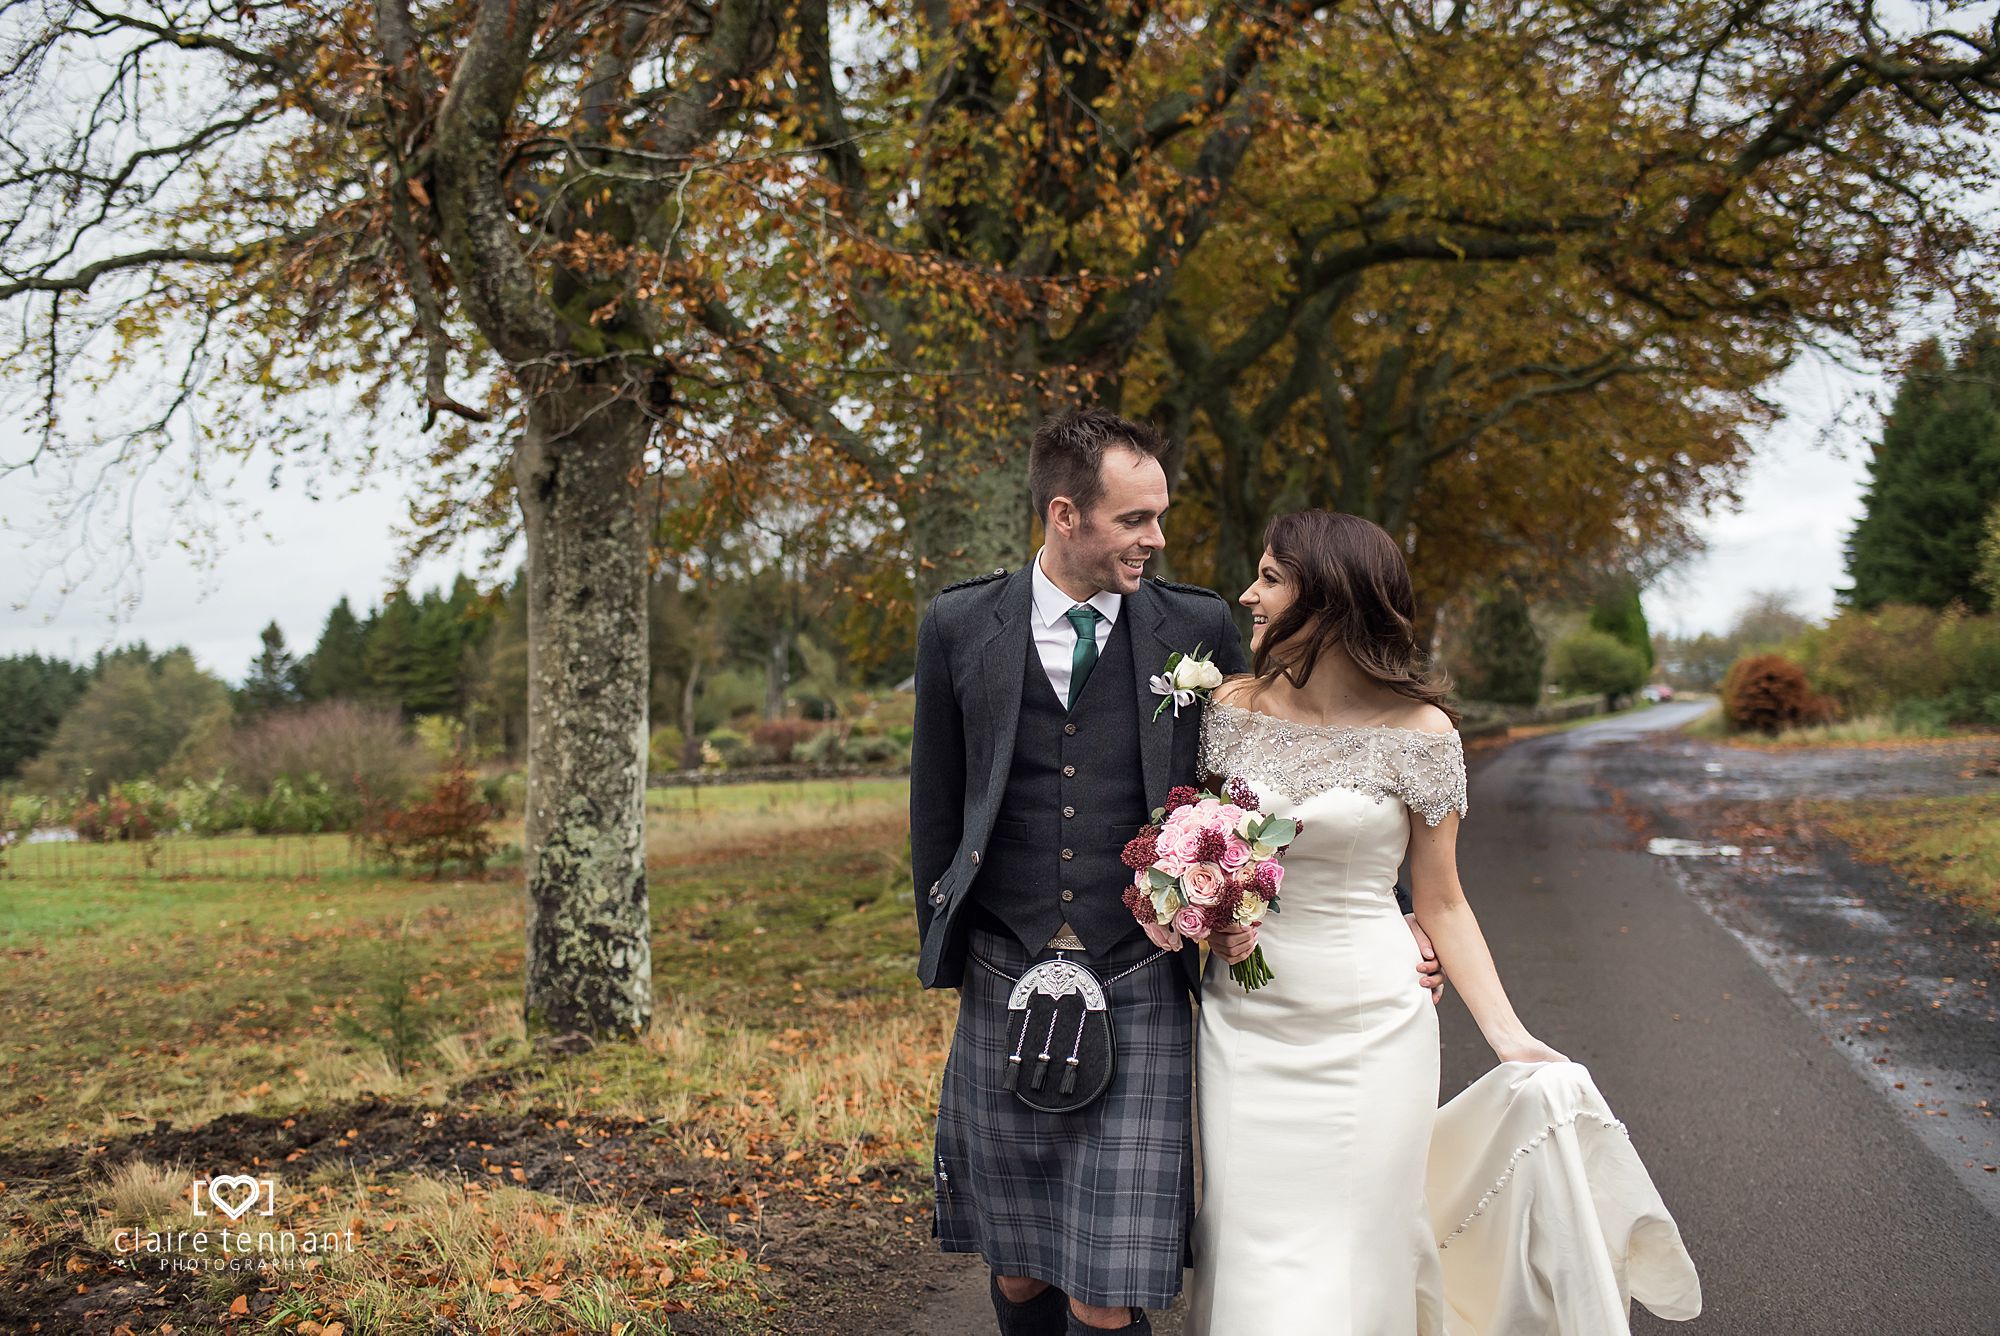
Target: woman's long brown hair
{"points": [[1352, 589]]}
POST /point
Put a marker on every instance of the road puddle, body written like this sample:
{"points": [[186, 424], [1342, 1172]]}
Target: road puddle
{"points": [[1670, 848]]}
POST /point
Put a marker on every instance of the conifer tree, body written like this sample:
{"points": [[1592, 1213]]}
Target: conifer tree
{"points": [[337, 667], [273, 680], [1504, 652], [1933, 480]]}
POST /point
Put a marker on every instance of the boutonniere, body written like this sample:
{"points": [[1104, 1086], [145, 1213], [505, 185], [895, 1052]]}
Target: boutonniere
{"points": [[1188, 678]]}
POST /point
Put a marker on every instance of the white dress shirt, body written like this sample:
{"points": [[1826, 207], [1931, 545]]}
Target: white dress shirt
{"points": [[1055, 637]]}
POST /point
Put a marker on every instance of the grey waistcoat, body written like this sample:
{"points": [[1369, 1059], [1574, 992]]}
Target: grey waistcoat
{"points": [[1075, 793]]}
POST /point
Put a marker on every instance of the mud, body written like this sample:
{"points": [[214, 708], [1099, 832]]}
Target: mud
{"points": [[849, 1262]]}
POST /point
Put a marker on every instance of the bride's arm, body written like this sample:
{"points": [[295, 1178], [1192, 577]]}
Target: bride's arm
{"points": [[1444, 914]]}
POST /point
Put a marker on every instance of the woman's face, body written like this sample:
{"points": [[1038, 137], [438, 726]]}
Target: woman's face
{"points": [[1268, 595]]}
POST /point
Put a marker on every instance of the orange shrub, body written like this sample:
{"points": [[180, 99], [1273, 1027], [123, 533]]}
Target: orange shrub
{"points": [[1768, 693], [781, 737]]}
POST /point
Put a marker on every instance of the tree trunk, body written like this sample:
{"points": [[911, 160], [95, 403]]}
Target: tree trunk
{"points": [[974, 516], [589, 967]]}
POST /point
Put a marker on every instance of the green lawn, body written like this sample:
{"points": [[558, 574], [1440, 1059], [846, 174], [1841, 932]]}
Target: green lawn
{"points": [[789, 1038]]}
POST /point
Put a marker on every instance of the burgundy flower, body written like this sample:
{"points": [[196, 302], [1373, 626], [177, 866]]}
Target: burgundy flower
{"points": [[1181, 796], [1241, 794], [1213, 842], [1139, 903], [1232, 896], [1141, 852], [1268, 877]]}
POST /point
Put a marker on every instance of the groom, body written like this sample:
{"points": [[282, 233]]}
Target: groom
{"points": [[1037, 756]]}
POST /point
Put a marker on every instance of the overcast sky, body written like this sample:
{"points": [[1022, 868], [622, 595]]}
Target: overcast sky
{"points": [[300, 555]]}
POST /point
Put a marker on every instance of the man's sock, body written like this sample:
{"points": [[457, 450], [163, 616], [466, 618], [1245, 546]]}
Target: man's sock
{"points": [[1139, 1326], [1047, 1314]]}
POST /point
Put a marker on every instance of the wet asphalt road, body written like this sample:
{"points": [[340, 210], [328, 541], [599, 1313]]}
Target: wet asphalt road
{"points": [[1808, 1204]]}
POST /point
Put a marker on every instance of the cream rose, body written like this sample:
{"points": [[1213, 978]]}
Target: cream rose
{"points": [[1192, 674], [1202, 884]]}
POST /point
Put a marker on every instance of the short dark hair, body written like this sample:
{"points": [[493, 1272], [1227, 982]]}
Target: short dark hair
{"points": [[1067, 456]]}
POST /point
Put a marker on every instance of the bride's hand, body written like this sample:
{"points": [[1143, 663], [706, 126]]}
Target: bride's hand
{"points": [[1530, 1049], [1233, 944]]}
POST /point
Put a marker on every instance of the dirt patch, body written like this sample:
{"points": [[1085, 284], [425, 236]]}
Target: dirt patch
{"points": [[845, 1254]]}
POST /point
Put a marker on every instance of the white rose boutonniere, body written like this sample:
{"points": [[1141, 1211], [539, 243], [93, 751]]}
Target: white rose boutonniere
{"points": [[1188, 678]]}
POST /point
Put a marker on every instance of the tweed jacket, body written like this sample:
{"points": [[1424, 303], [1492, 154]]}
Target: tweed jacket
{"points": [[970, 650]]}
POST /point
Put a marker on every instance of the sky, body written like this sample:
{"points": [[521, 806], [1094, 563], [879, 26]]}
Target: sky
{"points": [[291, 557]]}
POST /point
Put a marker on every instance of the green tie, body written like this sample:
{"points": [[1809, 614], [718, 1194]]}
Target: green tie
{"points": [[1084, 619]]}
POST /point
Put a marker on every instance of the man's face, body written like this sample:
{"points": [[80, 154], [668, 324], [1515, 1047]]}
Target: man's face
{"points": [[1108, 545]]}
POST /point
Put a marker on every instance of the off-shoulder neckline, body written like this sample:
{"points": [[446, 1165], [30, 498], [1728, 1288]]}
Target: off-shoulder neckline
{"points": [[1332, 728]]}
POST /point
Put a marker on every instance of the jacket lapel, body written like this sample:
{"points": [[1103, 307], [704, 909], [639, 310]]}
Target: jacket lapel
{"points": [[1001, 663], [1150, 648]]}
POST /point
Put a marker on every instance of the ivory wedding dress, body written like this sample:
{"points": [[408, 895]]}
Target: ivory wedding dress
{"points": [[1338, 1198]]}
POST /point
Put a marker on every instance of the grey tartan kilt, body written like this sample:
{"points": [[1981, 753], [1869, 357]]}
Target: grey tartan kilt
{"points": [[1098, 1203]]}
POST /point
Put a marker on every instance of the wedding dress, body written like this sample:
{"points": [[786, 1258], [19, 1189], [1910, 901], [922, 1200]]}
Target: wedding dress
{"points": [[1338, 1198]]}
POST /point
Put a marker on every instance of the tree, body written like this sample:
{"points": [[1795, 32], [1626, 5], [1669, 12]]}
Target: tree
{"points": [[1932, 482], [1989, 556], [1506, 278], [133, 719], [337, 667], [273, 680], [1594, 661], [35, 694], [1504, 652], [524, 197], [1619, 614]]}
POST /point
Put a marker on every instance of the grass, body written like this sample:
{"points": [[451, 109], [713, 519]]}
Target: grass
{"points": [[788, 1034], [1947, 847], [1872, 729]]}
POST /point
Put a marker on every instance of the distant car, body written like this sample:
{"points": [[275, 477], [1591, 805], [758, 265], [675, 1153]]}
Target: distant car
{"points": [[1657, 692]]}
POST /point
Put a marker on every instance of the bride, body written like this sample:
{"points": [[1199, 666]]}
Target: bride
{"points": [[1338, 1198]]}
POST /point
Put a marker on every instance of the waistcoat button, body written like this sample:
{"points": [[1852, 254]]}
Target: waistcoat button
{"points": [[1069, 895], [1070, 729], [1069, 772], [1068, 854], [1069, 811]]}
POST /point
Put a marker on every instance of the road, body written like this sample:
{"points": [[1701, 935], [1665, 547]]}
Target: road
{"points": [[1807, 1202]]}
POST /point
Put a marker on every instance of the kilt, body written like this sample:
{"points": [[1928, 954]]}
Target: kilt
{"points": [[1098, 1203]]}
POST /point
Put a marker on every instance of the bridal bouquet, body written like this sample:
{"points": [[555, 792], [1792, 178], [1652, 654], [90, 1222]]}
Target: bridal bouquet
{"points": [[1207, 862]]}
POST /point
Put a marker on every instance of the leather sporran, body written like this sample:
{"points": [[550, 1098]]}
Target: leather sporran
{"points": [[1064, 1052]]}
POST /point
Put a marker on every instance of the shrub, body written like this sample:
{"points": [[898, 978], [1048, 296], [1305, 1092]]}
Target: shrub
{"points": [[822, 749], [726, 745], [1867, 661], [212, 807], [876, 750], [506, 794], [781, 737], [1767, 693], [1597, 662], [358, 748], [122, 816], [449, 826], [666, 749]]}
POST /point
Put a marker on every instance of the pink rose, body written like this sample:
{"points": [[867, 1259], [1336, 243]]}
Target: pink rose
{"points": [[1181, 840], [1202, 884], [1235, 853], [1270, 876], [1192, 924]]}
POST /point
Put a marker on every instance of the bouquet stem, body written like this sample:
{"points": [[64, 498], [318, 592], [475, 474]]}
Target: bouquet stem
{"points": [[1252, 973]]}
